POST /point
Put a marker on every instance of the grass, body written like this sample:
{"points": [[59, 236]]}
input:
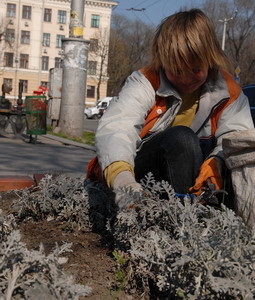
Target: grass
{"points": [[120, 276], [86, 138]]}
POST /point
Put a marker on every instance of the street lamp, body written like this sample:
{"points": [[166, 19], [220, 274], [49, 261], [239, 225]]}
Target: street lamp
{"points": [[225, 22]]}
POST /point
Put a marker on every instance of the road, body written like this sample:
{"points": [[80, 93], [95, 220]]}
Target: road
{"points": [[90, 125]]}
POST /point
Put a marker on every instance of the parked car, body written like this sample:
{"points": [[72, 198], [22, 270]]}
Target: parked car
{"points": [[96, 112], [103, 107], [249, 91], [91, 112]]}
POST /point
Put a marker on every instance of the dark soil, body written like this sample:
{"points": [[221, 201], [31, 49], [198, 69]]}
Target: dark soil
{"points": [[90, 262]]}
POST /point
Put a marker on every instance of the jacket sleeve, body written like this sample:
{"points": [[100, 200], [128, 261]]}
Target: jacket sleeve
{"points": [[117, 136], [236, 117]]}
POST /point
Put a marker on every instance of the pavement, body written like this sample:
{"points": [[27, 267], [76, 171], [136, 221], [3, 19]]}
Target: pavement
{"points": [[47, 154]]}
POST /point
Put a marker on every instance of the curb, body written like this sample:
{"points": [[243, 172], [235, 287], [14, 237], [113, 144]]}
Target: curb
{"points": [[69, 142], [18, 182]]}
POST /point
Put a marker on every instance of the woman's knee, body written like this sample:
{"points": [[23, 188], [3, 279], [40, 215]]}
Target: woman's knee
{"points": [[180, 137]]}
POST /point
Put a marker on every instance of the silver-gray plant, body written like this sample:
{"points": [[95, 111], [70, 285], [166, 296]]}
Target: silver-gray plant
{"points": [[64, 198], [177, 248], [184, 250], [30, 274]]}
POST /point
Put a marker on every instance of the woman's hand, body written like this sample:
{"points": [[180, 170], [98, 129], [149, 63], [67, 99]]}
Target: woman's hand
{"points": [[209, 173], [127, 180]]}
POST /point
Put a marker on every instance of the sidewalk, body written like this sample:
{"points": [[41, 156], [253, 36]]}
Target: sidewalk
{"points": [[50, 154]]}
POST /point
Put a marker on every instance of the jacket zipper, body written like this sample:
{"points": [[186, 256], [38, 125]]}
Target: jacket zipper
{"points": [[144, 140], [211, 112]]}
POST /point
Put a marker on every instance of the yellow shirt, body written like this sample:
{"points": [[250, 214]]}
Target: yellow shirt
{"points": [[184, 117], [187, 110]]}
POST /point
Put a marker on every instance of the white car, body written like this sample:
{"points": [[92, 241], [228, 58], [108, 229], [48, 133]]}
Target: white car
{"points": [[95, 112], [91, 112]]}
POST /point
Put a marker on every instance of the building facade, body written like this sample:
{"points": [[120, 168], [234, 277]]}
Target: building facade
{"points": [[31, 33]]}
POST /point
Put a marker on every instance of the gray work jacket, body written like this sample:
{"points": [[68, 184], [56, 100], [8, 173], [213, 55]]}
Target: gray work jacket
{"points": [[117, 137]]}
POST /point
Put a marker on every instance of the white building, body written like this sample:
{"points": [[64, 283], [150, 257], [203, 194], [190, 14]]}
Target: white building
{"points": [[31, 44]]}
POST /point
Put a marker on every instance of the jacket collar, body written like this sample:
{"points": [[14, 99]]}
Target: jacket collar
{"points": [[214, 89], [166, 89], [213, 92]]}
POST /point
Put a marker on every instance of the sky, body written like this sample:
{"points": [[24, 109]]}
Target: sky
{"points": [[151, 11]]}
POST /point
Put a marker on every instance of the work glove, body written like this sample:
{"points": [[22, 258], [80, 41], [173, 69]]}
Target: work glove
{"points": [[125, 180], [209, 173]]}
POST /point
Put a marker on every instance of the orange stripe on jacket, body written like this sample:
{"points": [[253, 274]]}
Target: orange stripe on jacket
{"points": [[234, 91], [160, 102]]}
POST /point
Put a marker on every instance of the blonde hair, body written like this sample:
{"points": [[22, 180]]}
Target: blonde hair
{"points": [[186, 37]]}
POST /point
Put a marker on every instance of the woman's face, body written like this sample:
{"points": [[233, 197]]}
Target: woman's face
{"points": [[188, 82]]}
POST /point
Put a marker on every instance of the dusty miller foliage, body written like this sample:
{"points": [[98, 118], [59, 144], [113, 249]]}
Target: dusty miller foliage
{"points": [[64, 198], [177, 249], [30, 274], [184, 250]]}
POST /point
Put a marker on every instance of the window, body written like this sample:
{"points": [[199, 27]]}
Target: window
{"points": [[58, 62], [10, 35], [8, 82], [95, 21], [92, 67], [45, 63], [46, 40], [62, 16], [47, 15], [23, 62], [59, 40], [26, 12], [11, 10], [93, 45], [8, 59], [91, 91], [24, 84], [44, 84], [25, 37]]}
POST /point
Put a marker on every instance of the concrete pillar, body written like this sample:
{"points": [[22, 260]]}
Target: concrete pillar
{"points": [[75, 51]]}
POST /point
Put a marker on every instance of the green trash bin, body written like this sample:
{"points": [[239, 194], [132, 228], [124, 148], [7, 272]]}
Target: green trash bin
{"points": [[36, 111]]}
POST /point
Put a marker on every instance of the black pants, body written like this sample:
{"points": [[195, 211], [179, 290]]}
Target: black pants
{"points": [[174, 155]]}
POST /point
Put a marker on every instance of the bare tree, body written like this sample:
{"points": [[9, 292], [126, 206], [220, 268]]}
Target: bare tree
{"points": [[99, 50], [240, 32], [129, 49], [7, 38], [2, 38], [2, 28], [118, 54], [241, 37]]}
